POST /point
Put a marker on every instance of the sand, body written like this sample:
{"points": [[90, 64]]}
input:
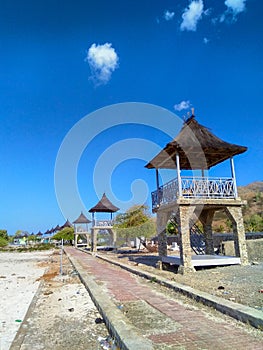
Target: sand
{"points": [[62, 315], [18, 284]]}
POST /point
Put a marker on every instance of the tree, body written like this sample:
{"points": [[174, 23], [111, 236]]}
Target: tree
{"points": [[3, 238], [172, 227], [32, 238], [18, 233], [67, 234], [135, 222], [254, 223], [3, 234]]}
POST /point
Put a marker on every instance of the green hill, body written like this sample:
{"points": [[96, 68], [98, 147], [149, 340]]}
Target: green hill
{"points": [[252, 211]]}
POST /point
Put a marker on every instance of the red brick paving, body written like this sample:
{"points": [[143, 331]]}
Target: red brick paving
{"points": [[195, 330]]}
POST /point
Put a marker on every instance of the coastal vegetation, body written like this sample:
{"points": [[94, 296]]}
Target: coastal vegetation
{"points": [[3, 238], [67, 234], [252, 211], [135, 222]]}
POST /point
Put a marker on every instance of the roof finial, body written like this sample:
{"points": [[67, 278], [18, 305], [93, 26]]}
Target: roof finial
{"points": [[193, 112]]}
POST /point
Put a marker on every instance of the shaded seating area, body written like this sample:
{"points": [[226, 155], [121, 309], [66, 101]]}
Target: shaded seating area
{"points": [[81, 231], [198, 196], [103, 206]]}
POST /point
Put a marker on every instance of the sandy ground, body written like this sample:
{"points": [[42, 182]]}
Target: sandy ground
{"points": [[18, 284], [63, 317]]}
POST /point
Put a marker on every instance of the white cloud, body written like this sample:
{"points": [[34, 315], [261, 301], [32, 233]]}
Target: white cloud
{"points": [[103, 60], [168, 16], [206, 41], [182, 105], [192, 15], [236, 6]]}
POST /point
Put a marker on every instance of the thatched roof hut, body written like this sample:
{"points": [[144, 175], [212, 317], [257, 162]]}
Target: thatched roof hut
{"points": [[57, 228], [197, 147], [67, 224], [82, 219], [104, 206]]}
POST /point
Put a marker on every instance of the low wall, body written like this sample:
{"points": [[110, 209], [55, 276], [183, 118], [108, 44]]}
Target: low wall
{"points": [[254, 249], [254, 241], [218, 238]]}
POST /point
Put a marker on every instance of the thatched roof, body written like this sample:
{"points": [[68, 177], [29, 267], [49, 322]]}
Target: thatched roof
{"points": [[197, 148], [82, 219], [104, 206], [67, 224]]}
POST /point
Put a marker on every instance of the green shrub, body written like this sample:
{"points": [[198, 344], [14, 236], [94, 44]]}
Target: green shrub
{"points": [[3, 242]]}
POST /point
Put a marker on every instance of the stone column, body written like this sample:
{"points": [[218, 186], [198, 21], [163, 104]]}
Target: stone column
{"points": [[113, 237], [184, 215], [93, 240], [87, 239], [206, 218], [235, 215], [76, 239], [162, 219]]}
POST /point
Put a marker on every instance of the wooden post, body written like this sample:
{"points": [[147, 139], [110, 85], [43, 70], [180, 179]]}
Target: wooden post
{"points": [[233, 176], [157, 185], [178, 174]]}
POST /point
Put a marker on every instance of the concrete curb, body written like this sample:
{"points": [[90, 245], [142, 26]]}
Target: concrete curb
{"points": [[21, 333], [240, 312], [120, 328]]}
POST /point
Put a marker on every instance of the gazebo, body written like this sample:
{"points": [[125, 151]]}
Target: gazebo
{"points": [[187, 199], [67, 224], [81, 229], [103, 206]]}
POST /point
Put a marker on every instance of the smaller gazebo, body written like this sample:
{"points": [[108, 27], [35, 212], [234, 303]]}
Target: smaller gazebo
{"points": [[67, 224], [103, 206], [81, 229]]}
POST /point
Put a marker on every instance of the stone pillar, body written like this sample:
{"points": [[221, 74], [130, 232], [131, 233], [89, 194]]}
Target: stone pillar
{"points": [[93, 247], [206, 218], [184, 215], [235, 215], [162, 219], [113, 235], [87, 239], [76, 239]]}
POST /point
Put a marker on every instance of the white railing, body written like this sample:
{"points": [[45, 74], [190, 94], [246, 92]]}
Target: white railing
{"points": [[194, 187], [103, 223]]}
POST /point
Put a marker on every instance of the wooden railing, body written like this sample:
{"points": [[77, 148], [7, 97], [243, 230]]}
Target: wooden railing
{"points": [[194, 187]]}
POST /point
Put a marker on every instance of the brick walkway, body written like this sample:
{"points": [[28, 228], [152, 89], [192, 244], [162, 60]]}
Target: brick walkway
{"points": [[180, 327]]}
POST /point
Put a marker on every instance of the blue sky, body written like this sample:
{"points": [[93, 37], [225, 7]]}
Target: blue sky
{"points": [[61, 61]]}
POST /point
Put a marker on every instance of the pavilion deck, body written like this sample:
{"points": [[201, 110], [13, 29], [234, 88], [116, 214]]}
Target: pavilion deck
{"points": [[203, 260], [194, 188]]}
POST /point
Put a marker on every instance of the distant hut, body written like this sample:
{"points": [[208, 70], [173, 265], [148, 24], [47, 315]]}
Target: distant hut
{"points": [[103, 206], [67, 224], [81, 229]]}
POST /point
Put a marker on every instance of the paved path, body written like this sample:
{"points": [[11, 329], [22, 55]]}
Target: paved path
{"points": [[158, 319]]}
